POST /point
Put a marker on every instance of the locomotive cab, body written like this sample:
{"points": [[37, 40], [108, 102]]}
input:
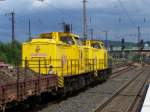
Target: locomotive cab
{"points": [[98, 53], [57, 53]]}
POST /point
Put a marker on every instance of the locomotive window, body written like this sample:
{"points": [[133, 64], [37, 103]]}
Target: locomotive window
{"points": [[102, 45], [78, 42], [96, 45], [67, 40], [46, 36]]}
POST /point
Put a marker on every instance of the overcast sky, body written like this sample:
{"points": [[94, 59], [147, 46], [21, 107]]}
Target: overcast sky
{"points": [[120, 18]]}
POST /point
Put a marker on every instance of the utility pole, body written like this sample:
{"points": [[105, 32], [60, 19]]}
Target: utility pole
{"points": [[140, 43], [12, 14], [84, 20], [106, 38], [71, 28], [13, 26], [30, 30], [92, 33], [139, 34]]}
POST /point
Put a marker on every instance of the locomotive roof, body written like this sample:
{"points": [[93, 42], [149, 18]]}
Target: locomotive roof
{"points": [[62, 33], [96, 41], [49, 35]]}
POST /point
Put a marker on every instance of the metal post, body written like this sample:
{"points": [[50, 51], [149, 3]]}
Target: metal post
{"points": [[75, 66], [139, 35], [30, 30], [93, 65], [39, 67], [96, 64], [39, 77], [71, 67], [25, 75], [13, 25], [62, 68], [18, 91], [25, 68], [50, 60], [106, 39], [78, 66], [84, 19], [45, 65]]}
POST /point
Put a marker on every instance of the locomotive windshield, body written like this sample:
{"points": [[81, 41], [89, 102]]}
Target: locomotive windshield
{"points": [[46, 36], [78, 41], [96, 45], [67, 40], [102, 45]]}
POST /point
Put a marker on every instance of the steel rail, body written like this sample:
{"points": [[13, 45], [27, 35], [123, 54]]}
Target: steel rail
{"points": [[106, 101], [117, 73], [137, 95]]}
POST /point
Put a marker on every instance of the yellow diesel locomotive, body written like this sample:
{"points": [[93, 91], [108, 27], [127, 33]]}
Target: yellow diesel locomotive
{"points": [[76, 63]]}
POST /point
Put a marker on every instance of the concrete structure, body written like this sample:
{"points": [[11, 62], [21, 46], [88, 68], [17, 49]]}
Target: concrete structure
{"points": [[117, 52]]}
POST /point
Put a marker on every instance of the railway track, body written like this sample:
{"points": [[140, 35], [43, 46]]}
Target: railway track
{"points": [[140, 99], [121, 70], [23, 74], [87, 100], [124, 99]]}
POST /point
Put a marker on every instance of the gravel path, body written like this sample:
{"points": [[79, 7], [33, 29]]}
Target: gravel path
{"points": [[89, 99]]}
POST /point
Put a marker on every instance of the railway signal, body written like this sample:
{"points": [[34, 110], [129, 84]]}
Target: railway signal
{"points": [[141, 45], [111, 47], [122, 44]]}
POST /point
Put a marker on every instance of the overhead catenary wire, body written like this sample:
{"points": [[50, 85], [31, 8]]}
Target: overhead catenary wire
{"points": [[131, 20], [125, 10], [64, 16]]}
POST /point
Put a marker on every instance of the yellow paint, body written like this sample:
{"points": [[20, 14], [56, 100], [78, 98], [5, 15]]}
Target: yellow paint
{"points": [[98, 54], [65, 53]]}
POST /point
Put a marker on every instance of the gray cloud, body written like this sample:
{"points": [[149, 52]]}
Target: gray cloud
{"points": [[106, 15]]}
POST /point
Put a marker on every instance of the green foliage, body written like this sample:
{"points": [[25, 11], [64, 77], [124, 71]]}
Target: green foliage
{"points": [[135, 57], [10, 52], [110, 60]]}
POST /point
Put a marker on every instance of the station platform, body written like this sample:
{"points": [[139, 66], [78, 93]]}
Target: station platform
{"points": [[146, 104]]}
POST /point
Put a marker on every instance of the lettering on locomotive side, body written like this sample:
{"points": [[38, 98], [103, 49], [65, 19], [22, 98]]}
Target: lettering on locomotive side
{"points": [[39, 55]]}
